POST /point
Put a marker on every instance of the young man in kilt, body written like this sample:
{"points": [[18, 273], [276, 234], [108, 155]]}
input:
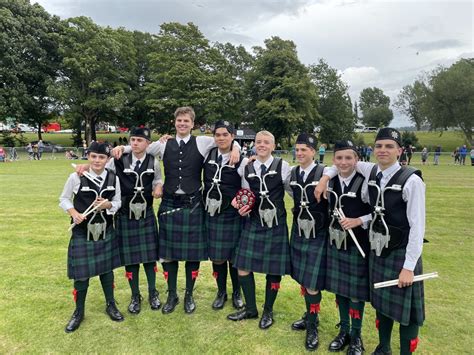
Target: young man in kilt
{"points": [[93, 248], [308, 235], [347, 271], [223, 223], [263, 245], [182, 234], [404, 214]]}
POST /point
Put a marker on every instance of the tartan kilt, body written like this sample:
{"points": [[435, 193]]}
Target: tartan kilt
{"points": [[405, 305], [347, 272], [308, 259], [223, 232], [138, 240], [182, 234], [88, 258], [262, 249]]}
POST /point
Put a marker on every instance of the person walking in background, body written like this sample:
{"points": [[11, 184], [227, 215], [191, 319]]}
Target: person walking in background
{"points": [[368, 153], [424, 155], [40, 149], [322, 151], [472, 156], [437, 154], [462, 155], [455, 155]]}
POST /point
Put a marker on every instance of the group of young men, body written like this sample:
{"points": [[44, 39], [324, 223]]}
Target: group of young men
{"points": [[218, 205]]}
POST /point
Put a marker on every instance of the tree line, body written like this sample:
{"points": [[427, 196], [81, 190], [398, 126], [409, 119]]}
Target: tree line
{"points": [[90, 73]]}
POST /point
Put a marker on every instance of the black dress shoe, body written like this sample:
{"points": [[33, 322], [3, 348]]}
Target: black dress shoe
{"points": [[220, 300], [340, 341], [300, 324], [154, 300], [74, 322], [312, 338], [237, 300], [135, 304], [242, 314], [170, 304], [356, 347], [379, 351], [189, 304], [113, 312], [266, 321]]}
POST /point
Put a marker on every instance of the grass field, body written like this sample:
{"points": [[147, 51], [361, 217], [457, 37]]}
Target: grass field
{"points": [[36, 299]]}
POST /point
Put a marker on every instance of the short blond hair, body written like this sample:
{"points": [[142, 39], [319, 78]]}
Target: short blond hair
{"points": [[185, 110], [266, 133]]}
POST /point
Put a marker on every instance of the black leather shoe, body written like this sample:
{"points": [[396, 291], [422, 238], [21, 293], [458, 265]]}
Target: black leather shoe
{"points": [[340, 341], [75, 321], [241, 315], [154, 300], [312, 338], [220, 300], [135, 304], [266, 321], [356, 347], [189, 304], [379, 351], [170, 304], [237, 300], [300, 324], [113, 312]]}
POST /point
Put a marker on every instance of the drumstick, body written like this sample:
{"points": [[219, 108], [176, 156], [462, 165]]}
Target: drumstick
{"points": [[86, 213], [417, 278], [88, 176], [351, 233]]}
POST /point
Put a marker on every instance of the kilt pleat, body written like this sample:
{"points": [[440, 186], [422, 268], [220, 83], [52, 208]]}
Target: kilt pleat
{"points": [[138, 239], [405, 305], [223, 231], [347, 272], [89, 258], [182, 234], [264, 250], [308, 259]]}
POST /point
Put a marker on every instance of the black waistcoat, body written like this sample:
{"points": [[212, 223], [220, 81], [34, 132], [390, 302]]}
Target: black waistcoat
{"points": [[353, 208], [231, 181], [127, 181], [82, 200], [183, 166], [319, 211], [395, 213], [274, 186]]}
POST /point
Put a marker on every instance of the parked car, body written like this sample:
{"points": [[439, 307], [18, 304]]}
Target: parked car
{"points": [[25, 128], [48, 147]]}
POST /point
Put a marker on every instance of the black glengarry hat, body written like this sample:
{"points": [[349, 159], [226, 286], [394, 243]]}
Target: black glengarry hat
{"points": [[308, 139], [389, 133], [99, 148], [343, 145], [142, 132], [224, 124]]}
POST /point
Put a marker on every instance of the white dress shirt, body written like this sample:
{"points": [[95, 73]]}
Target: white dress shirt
{"points": [[257, 164], [240, 170], [157, 166]]}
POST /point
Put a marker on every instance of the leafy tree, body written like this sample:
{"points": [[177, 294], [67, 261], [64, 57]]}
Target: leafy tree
{"points": [[410, 101], [282, 97], [375, 106], [336, 117], [409, 137]]}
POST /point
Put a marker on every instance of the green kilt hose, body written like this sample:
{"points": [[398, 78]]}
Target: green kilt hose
{"points": [[262, 249], [223, 232], [182, 234], [308, 259], [88, 258], [404, 305], [138, 239]]}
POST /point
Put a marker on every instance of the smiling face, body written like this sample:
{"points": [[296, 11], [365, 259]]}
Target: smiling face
{"points": [[183, 124], [97, 162], [304, 155], [264, 146], [386, 152], [139, 145], [223, 139], [345, 161]]}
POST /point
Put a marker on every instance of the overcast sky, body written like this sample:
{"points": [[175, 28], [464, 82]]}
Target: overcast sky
{"points": [[387, 44]]}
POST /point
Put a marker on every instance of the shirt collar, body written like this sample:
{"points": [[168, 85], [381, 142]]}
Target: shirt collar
{"points": [[346, 180], [267, 163], [308, 169], [390, 170], [185, 139]]}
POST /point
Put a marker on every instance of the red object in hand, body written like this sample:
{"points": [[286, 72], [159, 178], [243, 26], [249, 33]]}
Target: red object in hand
{"points": [[414, 344], [245, 197]]}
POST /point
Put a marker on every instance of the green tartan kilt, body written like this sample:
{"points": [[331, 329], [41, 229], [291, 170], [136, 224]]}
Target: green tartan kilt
{"points": [[88, 258], [405, 305], [182, 234], [347, 272], [262, 249], [223, 232], [138, 240], [308, 259]]}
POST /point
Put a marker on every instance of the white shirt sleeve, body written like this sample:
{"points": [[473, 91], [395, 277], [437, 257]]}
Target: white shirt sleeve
{"points": [[155, 148], [70, 189], [414, 195], [158, 177], [117, 199], [366, 220], [330, 171]]}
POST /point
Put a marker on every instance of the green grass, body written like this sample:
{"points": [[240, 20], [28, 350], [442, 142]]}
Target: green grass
{"points": [[36, 300]]}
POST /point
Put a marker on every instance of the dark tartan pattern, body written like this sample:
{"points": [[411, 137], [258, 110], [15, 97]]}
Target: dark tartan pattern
{"points": [[405, 305], [88, 258], [223, 231], [182, 234], [347, 272], [308, 259], [262, 249], [138, 240]]}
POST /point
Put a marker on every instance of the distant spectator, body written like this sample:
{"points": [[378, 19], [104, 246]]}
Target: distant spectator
{"points": [[13, 154], [437, 154], [472, 156], [71, 155], [40, 149], [455, 155], [462, 155], [35, 152], [409, 151], [424, 155], [125, 141], [84, 149], [29, 150], [403, 157], [120, 141], [3, 157], [368, 153], [293, 154], [322, 151]]}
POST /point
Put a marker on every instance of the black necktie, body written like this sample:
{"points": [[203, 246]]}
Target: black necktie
{"points": [[181, 144], [378, 179], [346, 188], [302, 175], [137, 166], [219, 160], [263, 170]]}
